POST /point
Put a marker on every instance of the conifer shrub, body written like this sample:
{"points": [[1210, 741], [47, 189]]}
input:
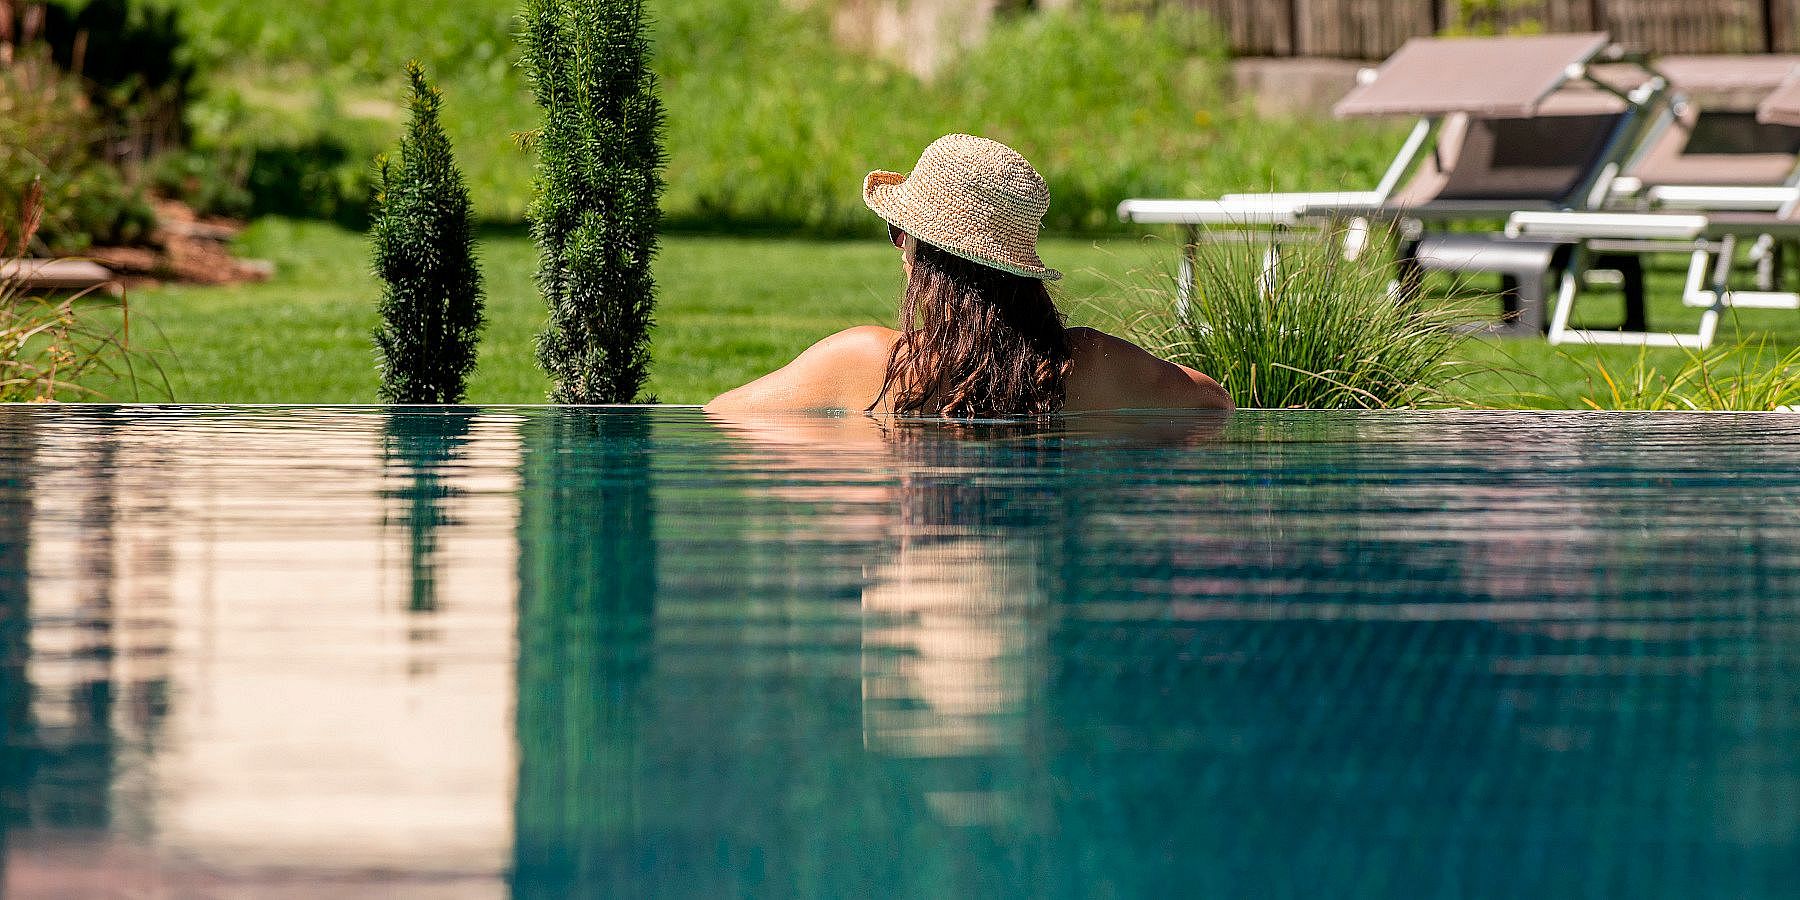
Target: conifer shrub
{"points": [[424, 242], [596, 213]]}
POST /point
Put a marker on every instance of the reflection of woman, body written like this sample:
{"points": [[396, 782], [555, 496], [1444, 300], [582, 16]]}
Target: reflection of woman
{"points": [[948, 645], [980, 336]]}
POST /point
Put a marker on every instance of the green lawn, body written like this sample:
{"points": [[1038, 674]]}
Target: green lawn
{"points": [[729, 309]]}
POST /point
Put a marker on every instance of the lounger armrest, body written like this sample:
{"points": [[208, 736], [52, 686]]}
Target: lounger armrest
{"points": [[1304, 199], [1678, 196], [1580, 225], [1207, 212]]}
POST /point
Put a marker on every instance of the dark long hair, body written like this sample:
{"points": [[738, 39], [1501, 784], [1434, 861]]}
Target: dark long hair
{"points": [[975, 343]]}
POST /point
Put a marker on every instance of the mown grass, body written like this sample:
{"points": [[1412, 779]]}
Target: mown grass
{"points": [[730, 308]]}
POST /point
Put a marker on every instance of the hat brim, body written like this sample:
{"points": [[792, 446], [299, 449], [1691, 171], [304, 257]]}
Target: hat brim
{"points": [[879, 194]]}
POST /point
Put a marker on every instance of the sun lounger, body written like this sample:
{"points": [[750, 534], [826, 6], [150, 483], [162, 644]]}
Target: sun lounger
{"points": [[1721, 170], [1707, 150], [1504, 124]]}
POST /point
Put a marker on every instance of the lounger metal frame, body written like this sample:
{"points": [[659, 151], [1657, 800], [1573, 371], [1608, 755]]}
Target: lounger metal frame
{"points": [[1712, 247]]}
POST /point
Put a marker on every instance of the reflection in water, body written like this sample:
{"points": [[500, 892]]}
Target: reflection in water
{"points": [[224, 582], [955, 621], [16, 454], [418, 447], [587, 601], [953, 630], [626, 653]]}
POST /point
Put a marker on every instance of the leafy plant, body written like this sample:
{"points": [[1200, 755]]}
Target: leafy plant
{"points": [[424, 240], [1493, 17], [1748, 376], [49, 137], [56, 347], [597, 212], [1312, 329], [778, 122]]}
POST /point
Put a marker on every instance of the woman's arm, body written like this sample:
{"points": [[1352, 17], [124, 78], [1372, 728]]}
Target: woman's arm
{"points": [[843, 371]]}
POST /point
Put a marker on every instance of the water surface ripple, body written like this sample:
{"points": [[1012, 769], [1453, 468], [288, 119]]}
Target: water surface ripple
{"points": [[481, 652]]}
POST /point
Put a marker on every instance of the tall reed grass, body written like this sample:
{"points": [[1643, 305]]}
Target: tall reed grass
{"points": [[1297, 325], [68, 347]]}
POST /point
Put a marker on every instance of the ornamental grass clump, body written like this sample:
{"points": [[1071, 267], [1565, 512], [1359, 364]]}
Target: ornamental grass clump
{"points": [[597, 210], [424, 240], [55, 347], [1297, 325], [1746, 377]]}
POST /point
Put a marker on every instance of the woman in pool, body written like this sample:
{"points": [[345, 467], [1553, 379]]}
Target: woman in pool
{"points": [[980, 336]]}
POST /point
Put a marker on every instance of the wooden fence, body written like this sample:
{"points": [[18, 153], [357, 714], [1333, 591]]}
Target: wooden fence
{"points": [[1371, 29]]}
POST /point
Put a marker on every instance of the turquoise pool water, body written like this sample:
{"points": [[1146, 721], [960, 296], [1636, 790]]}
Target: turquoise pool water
{"points": [[489, 652]]}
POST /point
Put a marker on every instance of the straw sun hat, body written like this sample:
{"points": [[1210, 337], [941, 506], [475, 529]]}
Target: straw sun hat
{"points": [[970, 197]]}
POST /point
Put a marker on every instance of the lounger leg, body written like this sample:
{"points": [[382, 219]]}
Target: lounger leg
{"points": [[1764, 254], [1271, 267], [1565, 295], [1184, 285], [1355, 238], [1709, 320], [1631, 270], [1409, 276], [1693, 292], [1529, 290]]}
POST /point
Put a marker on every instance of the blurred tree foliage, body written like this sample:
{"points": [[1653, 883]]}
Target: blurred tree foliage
{"points": [[48, 132]]}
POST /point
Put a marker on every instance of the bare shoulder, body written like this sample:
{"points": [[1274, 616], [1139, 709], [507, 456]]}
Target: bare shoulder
{"points": [[835, 373], [858, 341], [1114, 373]]}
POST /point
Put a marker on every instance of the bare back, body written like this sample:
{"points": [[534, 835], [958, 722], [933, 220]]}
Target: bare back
{"points": [[846, 371]]}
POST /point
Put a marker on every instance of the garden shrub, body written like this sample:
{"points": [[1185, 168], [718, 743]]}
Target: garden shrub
{"points": [[596, 215], [132, 60], [424, 241], [315, 180]]}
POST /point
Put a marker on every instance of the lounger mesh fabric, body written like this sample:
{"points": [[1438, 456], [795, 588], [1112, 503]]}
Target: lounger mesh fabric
{"points": [[1504, 76], [1719, 147], [1544, 158], [1713, 137], [1783, 106]]}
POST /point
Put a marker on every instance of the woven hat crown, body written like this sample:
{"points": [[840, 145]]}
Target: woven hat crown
{"points": [[971, 197]]}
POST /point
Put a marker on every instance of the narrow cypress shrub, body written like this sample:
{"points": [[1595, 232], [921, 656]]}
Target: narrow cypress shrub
{"points": [[424, 240], [596, 213]]}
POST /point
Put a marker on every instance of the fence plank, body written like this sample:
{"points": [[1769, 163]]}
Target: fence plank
{"points": [[1359, 29], [1254, 27], [1372, 29]]}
